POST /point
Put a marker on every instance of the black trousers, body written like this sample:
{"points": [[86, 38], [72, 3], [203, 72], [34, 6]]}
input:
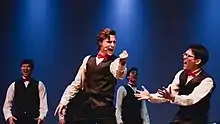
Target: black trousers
{"points": [[25, 120], [134, 121], [179, 120], [98, 115], [97, 121], [189, 122]]}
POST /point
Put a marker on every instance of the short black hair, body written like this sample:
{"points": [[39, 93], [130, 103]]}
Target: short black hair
{"points": [[28, 61], [130, 70], [200, 52]]}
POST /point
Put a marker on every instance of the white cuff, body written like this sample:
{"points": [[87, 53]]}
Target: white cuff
{"points": [[41, 117], [7, 116], [64, 102]]}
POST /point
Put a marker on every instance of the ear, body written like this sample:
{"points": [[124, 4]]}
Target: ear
{"points": [[100, 43], [127, 77], [198, 61]]}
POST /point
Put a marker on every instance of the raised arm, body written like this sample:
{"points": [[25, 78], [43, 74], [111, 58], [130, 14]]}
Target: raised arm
{"points": [[173, 88], [118, 66]]}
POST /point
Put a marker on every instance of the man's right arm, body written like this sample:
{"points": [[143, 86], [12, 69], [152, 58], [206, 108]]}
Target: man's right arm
{"points": [[8, 102], [74, 87], [121, 93], [174, 86], [155, 98]]}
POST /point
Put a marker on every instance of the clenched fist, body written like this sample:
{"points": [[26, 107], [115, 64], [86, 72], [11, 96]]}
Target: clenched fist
{"points": [[123, 55]]}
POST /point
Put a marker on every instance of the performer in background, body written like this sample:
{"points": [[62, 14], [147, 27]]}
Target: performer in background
{"points": [[129, 110], [27, 96], [191, 88], [97, 76]]}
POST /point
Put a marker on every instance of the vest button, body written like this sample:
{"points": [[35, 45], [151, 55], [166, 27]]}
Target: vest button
{"points": [[25, 112]]}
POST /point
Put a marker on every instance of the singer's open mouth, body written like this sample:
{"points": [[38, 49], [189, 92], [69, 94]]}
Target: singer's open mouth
{"points": [[110, 49], [184, 63]]}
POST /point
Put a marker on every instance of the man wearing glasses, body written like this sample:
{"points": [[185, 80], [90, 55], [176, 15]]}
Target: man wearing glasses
{"points": [[191, 88], [129, 110]]}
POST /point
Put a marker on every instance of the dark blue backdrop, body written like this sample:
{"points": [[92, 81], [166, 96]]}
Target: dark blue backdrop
{"points": [[58, 34]]}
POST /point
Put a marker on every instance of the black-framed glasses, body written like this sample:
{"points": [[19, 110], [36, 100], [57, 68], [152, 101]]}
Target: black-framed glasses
{"points": [[188, 56]]}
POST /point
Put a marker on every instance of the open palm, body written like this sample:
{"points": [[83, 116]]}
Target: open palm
{"points": [[142, 94]]}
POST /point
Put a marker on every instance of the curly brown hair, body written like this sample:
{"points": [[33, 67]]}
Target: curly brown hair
{"points": [[103, 34]]}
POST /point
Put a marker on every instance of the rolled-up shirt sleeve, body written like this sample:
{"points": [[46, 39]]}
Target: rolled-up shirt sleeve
{"points": [[121, 93], [144, 113], [7, 107], [156, 98], [174, 88], [43, 100], [74, 87], [119, 71]]}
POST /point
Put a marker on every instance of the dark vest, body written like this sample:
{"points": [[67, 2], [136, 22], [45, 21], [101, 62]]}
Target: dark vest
{"points": [[201, 108], [26, 100], [131, 107], [99, 82]]}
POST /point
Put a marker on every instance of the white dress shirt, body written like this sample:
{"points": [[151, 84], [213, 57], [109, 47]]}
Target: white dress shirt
{"points": [[7, 108], [117, 70], [121, 93], [198, 93]]}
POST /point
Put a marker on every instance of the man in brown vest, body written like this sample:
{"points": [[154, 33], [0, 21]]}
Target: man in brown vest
{"points": [[97, 78]]}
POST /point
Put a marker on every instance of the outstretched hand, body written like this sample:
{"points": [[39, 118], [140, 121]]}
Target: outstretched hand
{"points": [[166, 94], [142, 94]]}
